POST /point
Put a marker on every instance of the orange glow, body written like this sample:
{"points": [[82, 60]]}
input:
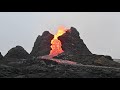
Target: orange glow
{"points": [[56, 44]]}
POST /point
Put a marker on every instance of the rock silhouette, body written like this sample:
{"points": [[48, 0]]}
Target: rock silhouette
{"points": [[1, 56], [71, 42], [17, 52], [42, 44]]}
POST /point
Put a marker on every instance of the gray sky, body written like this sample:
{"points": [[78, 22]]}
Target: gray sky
{"points": [[99, 30]]}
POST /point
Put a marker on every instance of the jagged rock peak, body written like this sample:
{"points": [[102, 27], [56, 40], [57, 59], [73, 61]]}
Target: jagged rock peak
{"points": [[42, 44], [46, 33], [74, 31], [71, 42]]}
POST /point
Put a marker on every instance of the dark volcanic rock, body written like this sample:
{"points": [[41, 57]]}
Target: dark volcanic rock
{"points": [[71, 42], [98, 60], [42, 44], [17, 52], [19, 64], [1, 56], [103, 61], [39, 68], [109, 57]]}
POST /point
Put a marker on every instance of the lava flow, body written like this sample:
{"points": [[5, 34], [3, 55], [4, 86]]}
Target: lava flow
{"points": [[56, 44]]}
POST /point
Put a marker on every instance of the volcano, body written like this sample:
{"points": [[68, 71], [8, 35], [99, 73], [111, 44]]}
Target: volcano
{"points": [[68, 40], [63, 55]]}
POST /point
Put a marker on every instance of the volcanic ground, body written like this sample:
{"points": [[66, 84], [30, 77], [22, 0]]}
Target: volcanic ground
{"points": [[74, 61]]}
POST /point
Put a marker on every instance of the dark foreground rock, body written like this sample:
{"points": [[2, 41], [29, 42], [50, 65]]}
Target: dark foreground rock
{"points": [[1, 56], [17, 52], [40, 68], [98, 60]]}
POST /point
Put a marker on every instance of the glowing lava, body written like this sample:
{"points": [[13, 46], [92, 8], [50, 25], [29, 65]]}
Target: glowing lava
{"points": [[56, 44]]}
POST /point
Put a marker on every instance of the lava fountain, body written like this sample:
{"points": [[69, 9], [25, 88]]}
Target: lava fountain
{"points": [[56, 43]]}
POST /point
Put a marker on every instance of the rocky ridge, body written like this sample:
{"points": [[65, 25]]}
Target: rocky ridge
{"points": [[17, 52]]}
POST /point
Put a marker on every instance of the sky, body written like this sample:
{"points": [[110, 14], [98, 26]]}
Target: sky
{"points": [[100, 31]]}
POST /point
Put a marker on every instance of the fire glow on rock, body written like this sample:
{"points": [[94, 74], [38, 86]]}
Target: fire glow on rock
{"points": [[56, 44]]}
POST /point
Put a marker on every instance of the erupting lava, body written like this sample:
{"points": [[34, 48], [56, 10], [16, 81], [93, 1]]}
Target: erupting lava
{"points": [[56, 44]]}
